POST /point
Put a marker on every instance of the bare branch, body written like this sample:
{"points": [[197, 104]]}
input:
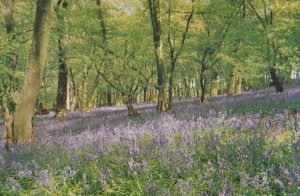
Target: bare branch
{"points": [[109, 82]]}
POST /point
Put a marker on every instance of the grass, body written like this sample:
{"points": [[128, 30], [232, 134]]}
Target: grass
{"points": [[266, 106]]}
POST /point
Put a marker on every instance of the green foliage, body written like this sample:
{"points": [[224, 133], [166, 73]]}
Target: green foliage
{"points": [[127, 59]]}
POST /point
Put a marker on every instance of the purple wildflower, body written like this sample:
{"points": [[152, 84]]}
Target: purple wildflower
{"points": [[26, 173], [68, 172], [12, 184], [2, 161], [44, 178]]}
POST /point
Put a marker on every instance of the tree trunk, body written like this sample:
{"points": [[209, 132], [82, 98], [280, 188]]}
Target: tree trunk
{"points": [[84, 91], [26, 99], [73, 103], [187, 89], [223, 86], [203, 91], [151, 96], [145, 89], [202, 98], [68, 104], [154, 7], [171, 84], [129, 104], [8, 120], [232, 83], [62, 88], [109, 97], [202, 82], [276, 80], [239, 86], [214, 86], [74, 96]]}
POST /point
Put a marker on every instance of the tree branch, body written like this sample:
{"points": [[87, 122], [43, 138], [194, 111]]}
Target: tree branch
{"points": [[109, 82]]}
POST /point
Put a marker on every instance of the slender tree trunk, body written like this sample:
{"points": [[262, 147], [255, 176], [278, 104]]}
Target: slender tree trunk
{"points": [[239, 86], [214, 86], [62, 88], [94, 92], [8, 120], [154, 7], [109, 97], [151, 96], [187, 89], [223, 86], [68, 104], [232, 82], [84, 91], [202, 81], [26, 99], [74, 95], [203, 91], [170, 92], [145, 89], [171, 85]]}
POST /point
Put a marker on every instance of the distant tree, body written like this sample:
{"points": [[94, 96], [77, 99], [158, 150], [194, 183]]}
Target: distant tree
{"points": [[212, 40], [175, 51], [275, 20], [62, 86], [121, 65]]}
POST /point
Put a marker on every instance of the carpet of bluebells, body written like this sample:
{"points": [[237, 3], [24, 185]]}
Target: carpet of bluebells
{"points": [[221, 147]]}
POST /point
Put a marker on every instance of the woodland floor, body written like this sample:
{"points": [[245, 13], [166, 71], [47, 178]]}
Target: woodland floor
{"points": [[246, 143]]}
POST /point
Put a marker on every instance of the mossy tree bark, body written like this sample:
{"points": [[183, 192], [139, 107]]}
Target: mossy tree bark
{"points": [[26, 98], [154, 7], [62, 87]]}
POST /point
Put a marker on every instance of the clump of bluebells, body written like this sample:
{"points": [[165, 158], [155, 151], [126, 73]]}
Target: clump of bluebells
{"points": [[192, 150]]}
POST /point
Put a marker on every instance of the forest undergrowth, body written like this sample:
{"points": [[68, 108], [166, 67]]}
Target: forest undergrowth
{"points": [[245, 144]]}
